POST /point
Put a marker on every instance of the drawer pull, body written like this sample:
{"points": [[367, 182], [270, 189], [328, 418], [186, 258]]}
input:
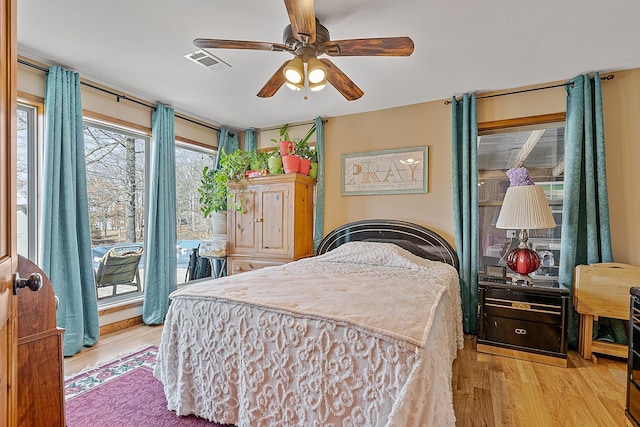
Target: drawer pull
{"points": [[521, 305], [258, 220], [514, 306], [520, 331]]}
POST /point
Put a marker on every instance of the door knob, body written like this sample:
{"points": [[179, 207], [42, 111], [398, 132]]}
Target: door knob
{"points": [[34, 282]]}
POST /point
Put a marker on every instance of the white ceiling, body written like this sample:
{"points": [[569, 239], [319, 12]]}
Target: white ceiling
{"points": [[137, 47]]}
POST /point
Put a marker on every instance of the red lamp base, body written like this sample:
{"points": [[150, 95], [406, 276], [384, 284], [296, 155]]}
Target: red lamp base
{"points": [[523, 261]]}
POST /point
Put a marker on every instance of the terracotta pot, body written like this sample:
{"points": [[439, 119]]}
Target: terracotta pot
{"points": [[291, 164], [313, 170], [305, 164], [286, 148]]}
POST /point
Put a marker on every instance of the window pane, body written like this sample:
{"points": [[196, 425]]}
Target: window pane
{"points": [[115, 186], [540, 149], [192, 227], [26, 182]]}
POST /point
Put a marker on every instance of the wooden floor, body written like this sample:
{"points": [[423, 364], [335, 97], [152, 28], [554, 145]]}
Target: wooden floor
{"points": [[487, 390]]}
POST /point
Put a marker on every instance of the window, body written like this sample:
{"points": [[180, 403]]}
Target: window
{"points": [[539, 148], [27, 181], [192, 227], [115, 161]]}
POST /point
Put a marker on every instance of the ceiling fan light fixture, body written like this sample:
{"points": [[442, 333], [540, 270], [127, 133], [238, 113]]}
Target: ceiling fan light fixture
{"points": [[294, 71], [294, 86], [316, 71], [315, 87]]}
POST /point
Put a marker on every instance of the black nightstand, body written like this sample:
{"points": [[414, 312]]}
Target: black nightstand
{"points": [[525, 322]]}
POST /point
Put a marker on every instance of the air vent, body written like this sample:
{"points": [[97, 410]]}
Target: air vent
{"points": [[206, 59]]}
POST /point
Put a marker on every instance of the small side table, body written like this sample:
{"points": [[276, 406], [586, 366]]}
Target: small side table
{"points": [[524, 322], [218, 269]]}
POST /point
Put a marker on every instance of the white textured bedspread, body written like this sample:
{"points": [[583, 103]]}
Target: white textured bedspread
{"points": [[363, 335]]}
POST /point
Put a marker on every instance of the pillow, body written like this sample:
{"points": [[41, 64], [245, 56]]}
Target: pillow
{"points": [[409, 246]]}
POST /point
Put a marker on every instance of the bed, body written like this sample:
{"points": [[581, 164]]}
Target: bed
{"points": [[362, 334]]}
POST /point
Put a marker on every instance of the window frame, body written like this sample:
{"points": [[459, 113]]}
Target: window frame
{"points": [[35, 113], [115, 126], [505, 126]]}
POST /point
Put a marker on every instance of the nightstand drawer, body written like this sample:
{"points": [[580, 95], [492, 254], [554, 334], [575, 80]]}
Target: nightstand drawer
{"points": [[522, 333], [535, 308]]}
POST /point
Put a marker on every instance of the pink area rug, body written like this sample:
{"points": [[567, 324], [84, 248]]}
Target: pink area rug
{"points": [[122, 393]]}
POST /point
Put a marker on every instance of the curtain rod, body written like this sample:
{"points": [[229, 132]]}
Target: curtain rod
{"points": [[324, 121], [607, 77], [120, 96]]}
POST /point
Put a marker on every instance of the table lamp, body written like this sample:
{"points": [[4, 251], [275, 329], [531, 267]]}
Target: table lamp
{"points": [[524, 208]]}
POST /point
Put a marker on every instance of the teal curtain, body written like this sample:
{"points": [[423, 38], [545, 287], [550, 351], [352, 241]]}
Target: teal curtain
{"points": [[465, 203], [160, 232], [586, 236], [251, 140], [65, 249], [318, 232], [227, 142]]}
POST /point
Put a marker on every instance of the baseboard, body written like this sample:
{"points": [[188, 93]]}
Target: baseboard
{"points": [[118, 326]]}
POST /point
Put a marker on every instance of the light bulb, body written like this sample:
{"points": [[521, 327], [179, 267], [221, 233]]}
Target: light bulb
{"points": [[294, 71], [316, 71]]}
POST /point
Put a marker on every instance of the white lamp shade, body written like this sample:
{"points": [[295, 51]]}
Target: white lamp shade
{"points": [[294, 71], [525, 207], [315, 87], [316, 71]]}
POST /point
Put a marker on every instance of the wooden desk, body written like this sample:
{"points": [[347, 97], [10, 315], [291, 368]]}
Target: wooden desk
{"points": [[602, 290]]}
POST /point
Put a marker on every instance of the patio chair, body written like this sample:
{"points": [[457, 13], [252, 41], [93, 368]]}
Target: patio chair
{"points": [[119, 266]]}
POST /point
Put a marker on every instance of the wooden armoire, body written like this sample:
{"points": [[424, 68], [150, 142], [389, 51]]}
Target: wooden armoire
{"points": [[275, 225], [40, 362]]}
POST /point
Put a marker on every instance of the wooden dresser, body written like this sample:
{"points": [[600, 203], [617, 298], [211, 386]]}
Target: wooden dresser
{"points": [[40, 365], [276, 222]]}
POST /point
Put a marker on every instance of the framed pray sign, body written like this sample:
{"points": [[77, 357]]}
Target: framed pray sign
{"points": [[395, 171]]}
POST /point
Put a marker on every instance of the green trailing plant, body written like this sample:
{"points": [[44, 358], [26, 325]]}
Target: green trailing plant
{"points": [[213, 190], [258, 160]]}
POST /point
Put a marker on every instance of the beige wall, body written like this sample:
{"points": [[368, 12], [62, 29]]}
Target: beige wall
{"points": [[621, 108], [32, 81], [430, 124]]}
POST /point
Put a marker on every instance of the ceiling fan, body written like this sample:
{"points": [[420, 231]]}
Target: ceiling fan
{"points": [[307, 39]]}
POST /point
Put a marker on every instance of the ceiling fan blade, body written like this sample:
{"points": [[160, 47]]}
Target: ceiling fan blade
{"points": [[303, 19], [275, 82], [341, 82], [237, 44], [384, 46]]}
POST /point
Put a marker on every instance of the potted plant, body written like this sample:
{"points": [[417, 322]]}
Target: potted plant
{"points": [[258, 160], [303, 150], [274, 162], [258, 164], [291, 163], [213, 187], [285, 144], [313, 167]]}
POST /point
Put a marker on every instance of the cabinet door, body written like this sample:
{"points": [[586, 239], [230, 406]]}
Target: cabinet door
{"points": [[274, 221], [243, 236]]}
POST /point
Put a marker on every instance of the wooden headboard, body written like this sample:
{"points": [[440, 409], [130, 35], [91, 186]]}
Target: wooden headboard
{"points": [[391, 230]]}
